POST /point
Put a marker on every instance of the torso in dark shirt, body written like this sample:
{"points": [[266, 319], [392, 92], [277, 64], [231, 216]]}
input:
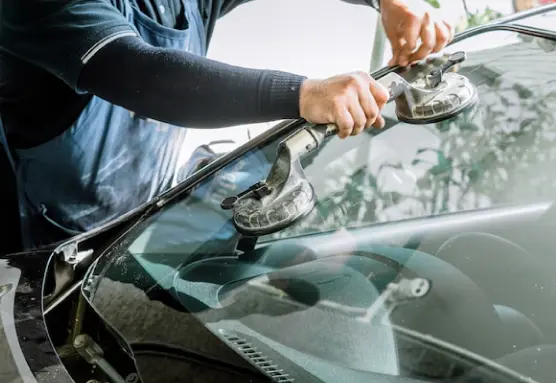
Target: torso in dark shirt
{"points": [[166, 12], [36, 106]]}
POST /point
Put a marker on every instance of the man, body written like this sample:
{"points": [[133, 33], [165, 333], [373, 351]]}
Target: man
{"points": [[94, 96]]}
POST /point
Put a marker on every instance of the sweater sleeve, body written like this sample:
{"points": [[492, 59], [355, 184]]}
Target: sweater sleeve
{"points": [[185, 89], [60, 36]]}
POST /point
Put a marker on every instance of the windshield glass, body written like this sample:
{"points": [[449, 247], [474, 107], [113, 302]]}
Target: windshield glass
{"points": [[427, 255]]}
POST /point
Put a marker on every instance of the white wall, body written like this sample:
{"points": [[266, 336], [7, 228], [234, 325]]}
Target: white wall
{"points": [[316, 38]]}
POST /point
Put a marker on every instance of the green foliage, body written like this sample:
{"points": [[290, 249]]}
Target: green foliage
{"points": [[473, 19], [434, 3], [482, 17]]}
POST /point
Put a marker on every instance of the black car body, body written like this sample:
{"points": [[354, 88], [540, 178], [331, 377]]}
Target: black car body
{"points": [[65, 312]]}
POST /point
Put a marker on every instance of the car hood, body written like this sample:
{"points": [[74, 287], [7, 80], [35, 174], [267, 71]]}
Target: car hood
{"points": [[26, 353]]}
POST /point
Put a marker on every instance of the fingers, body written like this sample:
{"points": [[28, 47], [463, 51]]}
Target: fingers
{"points": [[351, 101], [396, 51], [359, 118], [344, 122], [415, 35], [396, 43], [428, 39], [380, 96], [451, 31], [442, 37], [379, 123], [360, 108], [397, 47], [369, 109], [411, 32], [379, 93]]}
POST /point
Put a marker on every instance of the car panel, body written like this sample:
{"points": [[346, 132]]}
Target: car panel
{"points": [[10, 370], [34, 358]]}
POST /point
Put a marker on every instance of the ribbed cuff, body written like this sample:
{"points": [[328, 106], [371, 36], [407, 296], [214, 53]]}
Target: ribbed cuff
{"points": [[279, 94]]}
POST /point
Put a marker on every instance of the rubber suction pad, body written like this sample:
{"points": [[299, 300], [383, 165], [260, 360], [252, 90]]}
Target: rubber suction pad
{"points": [[256, 217], [454, 95]]}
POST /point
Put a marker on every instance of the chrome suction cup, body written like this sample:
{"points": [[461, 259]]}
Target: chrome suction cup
{"points": [[436, 97], [286, 195]]}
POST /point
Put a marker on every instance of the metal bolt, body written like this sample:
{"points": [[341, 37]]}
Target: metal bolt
{"points": [[79, 341], [132, 378]]}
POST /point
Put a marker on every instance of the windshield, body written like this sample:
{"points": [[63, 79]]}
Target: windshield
{"points": [[427, 255]]}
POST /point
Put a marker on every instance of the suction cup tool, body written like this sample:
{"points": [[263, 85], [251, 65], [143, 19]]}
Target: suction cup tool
{"points": [[286, 195], [438, 96]]}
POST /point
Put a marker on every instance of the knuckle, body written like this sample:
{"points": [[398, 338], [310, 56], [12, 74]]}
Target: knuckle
{"points": [[346, 128], [372, 111], [412, 18], [360, 122], [338, 102], [352, 81], [363, 75], [382, 97], [410, 46], [380, 94]]}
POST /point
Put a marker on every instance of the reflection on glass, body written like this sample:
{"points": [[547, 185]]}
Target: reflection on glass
{"points": [[321, 302]]}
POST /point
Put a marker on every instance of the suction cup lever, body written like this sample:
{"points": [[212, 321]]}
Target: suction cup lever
{"points": [[258, 191], [435, 77]]}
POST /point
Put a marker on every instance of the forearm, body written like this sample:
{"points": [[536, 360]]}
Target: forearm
{"points": [[184, 89]]}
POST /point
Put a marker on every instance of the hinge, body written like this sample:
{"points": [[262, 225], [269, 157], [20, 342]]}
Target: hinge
{"points": [[71, 254]]}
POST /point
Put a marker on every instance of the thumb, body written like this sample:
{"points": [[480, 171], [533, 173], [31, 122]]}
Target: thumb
{"points": [[396, 51], [394, 35], [395, 57]]}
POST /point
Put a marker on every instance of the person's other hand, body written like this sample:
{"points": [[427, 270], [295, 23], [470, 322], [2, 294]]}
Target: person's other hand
{"points": [[405, 21], [352, 101]]}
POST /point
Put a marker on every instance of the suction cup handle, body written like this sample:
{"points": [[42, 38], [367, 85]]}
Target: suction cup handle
{"points": [[435, 77]]}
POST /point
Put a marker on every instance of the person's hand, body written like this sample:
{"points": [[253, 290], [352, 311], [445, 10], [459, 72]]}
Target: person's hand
{"points": [[405, 21], [351, 101]]}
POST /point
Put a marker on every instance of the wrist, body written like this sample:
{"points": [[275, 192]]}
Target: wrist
{"points": [[305, 90]]}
